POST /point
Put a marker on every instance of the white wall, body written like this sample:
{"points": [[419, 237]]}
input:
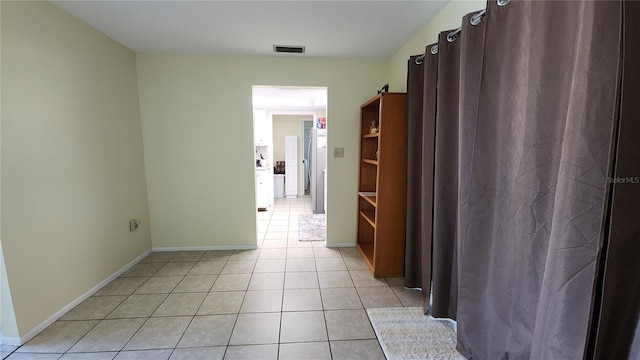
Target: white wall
{"points": [[197, 128], [71, 159], [447, 19]]}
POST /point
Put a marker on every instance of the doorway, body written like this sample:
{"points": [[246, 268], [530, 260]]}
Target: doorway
{"points": [[307, 125], [290, 151]]}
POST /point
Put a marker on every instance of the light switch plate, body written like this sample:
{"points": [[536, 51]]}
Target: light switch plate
{"points": [[338, 152]]}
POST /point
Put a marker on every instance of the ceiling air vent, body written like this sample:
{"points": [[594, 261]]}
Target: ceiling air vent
{"points": [[291, 49]]}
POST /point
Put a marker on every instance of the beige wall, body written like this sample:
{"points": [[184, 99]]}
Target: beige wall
{"points": [[289, 125], [285, 125], [198, 141], [448, 18], [71, 158]]}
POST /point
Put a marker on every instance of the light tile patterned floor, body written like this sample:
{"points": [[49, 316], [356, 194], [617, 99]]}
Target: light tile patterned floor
{"points": [[285, 300]]}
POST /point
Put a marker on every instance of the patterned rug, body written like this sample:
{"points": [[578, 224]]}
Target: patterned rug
{"points": [[311, 227], [405, 333]]}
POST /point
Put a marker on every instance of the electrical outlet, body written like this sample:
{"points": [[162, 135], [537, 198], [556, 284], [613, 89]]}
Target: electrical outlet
{"points": [[134, 224], [338, 152]]}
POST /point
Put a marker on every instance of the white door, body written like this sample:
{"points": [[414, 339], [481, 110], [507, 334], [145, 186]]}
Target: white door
{"points": [[291, 181], [291, 150], [291, 166]]}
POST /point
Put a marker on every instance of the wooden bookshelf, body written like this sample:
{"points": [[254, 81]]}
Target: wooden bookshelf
{"points": [[370, 216], [382, 185], [369, 197]]}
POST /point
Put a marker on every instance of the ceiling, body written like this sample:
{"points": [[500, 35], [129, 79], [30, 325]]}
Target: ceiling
{"points": [[367, 29]]}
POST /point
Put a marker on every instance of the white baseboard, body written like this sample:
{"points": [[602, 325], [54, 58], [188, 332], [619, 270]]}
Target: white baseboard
{"points": [[28, 336], [450, 322], [205, 248], [342, 245], [10, 341]]}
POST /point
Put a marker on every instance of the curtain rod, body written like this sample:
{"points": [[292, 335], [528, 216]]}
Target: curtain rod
{"points": [[434, 50], [452, 36], [475, 19]]}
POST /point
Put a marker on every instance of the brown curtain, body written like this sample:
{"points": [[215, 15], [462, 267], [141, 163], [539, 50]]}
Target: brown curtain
{"points": [[538, 193], [421, 116], [434, 227], [460, 57], [617, 328], [534, 245], [444, 277], [471, 60], [413, 247]]}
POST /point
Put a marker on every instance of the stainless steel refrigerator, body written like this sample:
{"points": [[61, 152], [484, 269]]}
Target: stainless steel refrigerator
{"points": [[317, 163]]}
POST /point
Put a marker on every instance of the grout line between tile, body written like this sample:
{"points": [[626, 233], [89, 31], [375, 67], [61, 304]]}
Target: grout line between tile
{"points": [[261, 250]]}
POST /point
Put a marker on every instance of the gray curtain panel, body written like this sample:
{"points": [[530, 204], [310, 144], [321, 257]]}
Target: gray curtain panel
{"points": [[536, 122]]}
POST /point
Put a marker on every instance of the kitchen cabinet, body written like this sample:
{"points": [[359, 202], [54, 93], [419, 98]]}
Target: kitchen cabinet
{"points": [[262, 132]]}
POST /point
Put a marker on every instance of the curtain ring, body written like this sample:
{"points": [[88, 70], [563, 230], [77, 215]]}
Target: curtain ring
{"points": [[502, 2], [420, 59], [434, 49], [453, 35], [477, 18]]}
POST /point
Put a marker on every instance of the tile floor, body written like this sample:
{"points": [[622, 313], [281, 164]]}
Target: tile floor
{"points": [[285, 300]]}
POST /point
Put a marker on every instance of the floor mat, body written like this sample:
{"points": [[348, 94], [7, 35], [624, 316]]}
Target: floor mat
{"points": [[311, 227], [405, 333]]}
